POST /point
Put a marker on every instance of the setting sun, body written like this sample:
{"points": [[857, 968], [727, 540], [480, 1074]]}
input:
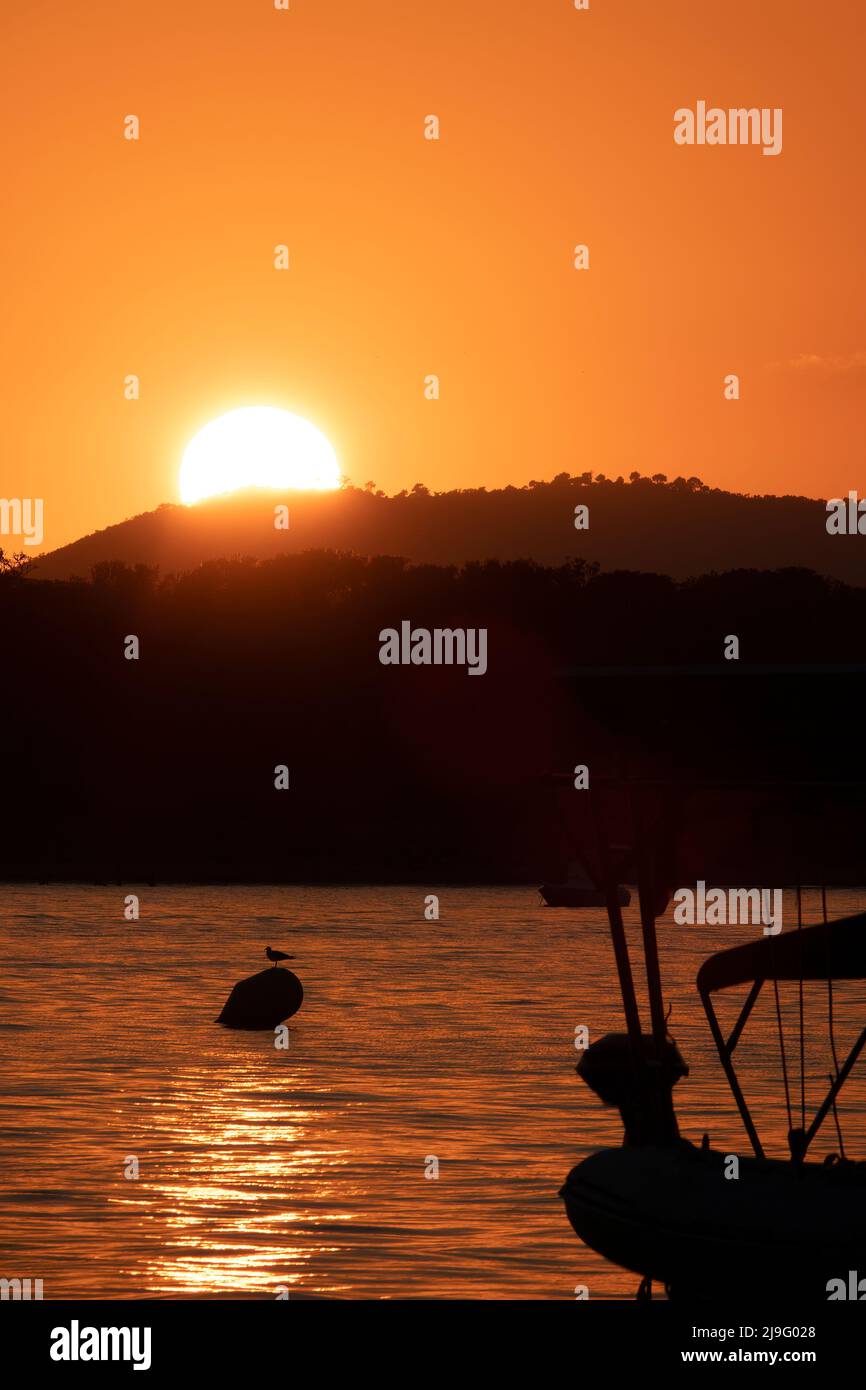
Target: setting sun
{"points": [[257, 446]]}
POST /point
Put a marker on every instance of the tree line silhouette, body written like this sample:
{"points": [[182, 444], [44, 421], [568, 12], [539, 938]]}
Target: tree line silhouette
{"points": [[163, 768]]}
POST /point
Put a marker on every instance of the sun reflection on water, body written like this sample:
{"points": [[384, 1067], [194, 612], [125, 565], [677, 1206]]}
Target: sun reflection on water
{"points": [[216, 1160]]}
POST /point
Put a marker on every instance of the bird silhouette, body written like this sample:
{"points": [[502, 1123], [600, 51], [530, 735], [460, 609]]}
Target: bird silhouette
{"points": [[276, 956]]}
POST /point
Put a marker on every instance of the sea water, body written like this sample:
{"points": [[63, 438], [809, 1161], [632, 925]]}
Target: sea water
{"points": [[147, 1151]]}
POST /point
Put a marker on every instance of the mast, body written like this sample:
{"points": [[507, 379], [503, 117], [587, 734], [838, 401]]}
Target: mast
{"points": [[617, 932]]}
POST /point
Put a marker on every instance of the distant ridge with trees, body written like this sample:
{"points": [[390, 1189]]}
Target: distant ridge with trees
{"points": [[680, 528]]}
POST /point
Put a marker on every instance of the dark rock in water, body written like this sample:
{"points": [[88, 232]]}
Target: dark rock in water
{"points": [[263, 1000]]}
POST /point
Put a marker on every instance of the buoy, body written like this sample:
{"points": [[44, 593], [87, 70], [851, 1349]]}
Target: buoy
{"points": [[263, 1000]]}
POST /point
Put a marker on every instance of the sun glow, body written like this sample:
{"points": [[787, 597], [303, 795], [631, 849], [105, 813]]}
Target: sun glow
{"points": [[257, 446]]}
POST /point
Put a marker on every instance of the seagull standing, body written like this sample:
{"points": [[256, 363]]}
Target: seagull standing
{"points": [[276, 956]]}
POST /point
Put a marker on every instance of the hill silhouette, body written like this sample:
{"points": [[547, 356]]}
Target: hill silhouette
{"points": [[680, 528]]}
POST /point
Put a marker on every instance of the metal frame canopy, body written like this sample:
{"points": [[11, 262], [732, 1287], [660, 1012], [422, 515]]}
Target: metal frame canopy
{"points": [[791, 831], [829, 951]]}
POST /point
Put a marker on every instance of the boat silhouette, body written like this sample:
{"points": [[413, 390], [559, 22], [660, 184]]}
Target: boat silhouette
{"points": [[670, 1215], [705, 1223], [578, 890]]}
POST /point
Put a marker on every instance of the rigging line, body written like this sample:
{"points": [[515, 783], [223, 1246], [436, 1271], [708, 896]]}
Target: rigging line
{"points": [[782, 1051], [836, 1115], [830, 1022], [802, 1029]]}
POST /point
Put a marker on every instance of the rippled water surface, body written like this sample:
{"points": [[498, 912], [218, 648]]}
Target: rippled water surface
{"points": [[261, 1169]]}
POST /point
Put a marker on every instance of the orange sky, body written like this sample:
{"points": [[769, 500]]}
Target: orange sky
{"points": [[410, 257]]}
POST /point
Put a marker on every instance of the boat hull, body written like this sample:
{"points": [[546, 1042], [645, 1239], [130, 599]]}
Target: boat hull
{"points": [[672, 1215]]}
